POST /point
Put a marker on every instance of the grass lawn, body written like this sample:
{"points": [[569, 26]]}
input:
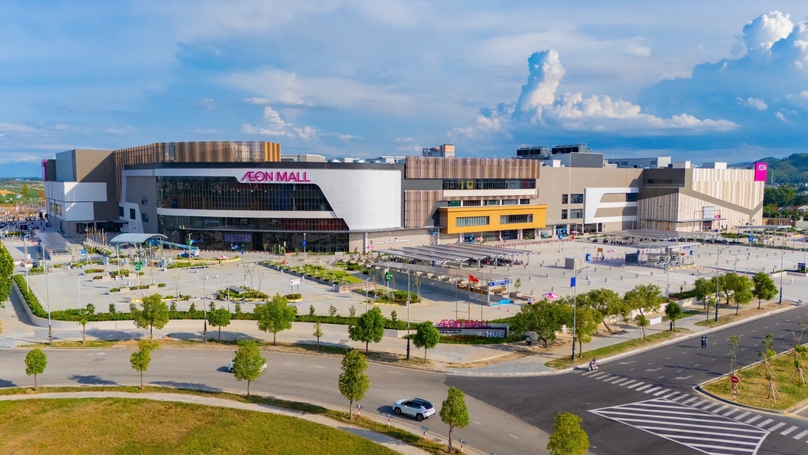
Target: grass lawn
{"points": [[126, 426], [753, 388], [613, 349]]}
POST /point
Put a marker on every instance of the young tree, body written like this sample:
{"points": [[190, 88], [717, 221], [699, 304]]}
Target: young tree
{"points": [[543, 318], [586, 323], [799, 353], [318, 332], [426, 336], [141, 359], [704, 288], [418, 281], [35, 363], [353, 382], [568, 437], [516, 284], [734, 341], [674, 312], [352, 311], [369, 327], [84, 318], [275, 316], [765, 288], [154, 313], [219, 317], [606, 302], [642, 322], [454, 412], [737, 288], [248, 365], [767, 355]]}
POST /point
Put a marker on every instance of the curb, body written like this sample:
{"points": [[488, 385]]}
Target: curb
{"points": [[709, 395], [629, 353]]}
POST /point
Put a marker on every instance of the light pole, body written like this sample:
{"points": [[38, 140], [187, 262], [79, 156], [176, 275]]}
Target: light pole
{"points": [[782, 259], [304, 244], [367, 293], [574, 307], [47, 297], [205, 308], [717, 280], [408, 314]]}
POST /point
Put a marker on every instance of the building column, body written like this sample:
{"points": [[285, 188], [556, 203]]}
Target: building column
{"points": [[520, 234]]}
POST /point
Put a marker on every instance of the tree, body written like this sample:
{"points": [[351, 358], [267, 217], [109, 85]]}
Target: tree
{"points": [[737, 288], [764, 289], [516, 284], [6, 271], [353, 382], [568, 437], [606, 302], [674, 312], [154, 313], [704, 288], [586, 322], [275, 316], [642, 322], [248, 365], [426, 336], [141, 358], [643, 298], [544, 318], [454, 412], [369, 327], [767, 355], [318, 332], [417, 281], [35, 363], [84, 318], [219, 317]]}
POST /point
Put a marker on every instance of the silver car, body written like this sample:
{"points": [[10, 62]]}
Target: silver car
{"points": [[416, 407]]}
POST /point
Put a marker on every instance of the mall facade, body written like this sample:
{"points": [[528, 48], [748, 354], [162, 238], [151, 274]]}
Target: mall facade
{"points": [[246, 195]]}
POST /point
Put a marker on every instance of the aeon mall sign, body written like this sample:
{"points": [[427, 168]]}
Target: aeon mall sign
{"points": [[761, 170], [274, 177]]}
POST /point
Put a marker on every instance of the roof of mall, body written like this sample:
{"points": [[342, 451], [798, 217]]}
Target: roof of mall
{"points": [[122, 239]]}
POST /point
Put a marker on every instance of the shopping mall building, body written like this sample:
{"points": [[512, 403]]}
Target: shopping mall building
{"points": [[226, 195]]}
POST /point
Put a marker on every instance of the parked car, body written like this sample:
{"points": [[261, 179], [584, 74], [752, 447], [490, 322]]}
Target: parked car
{"points": [[416, 407], [232, 370]]}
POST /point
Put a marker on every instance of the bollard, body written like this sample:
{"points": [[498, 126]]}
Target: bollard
{"points": [[388, 420], [552, 288], [359, 411], [621, 277], [605, 280], [651, 274], [530, 277], [637, 275]]}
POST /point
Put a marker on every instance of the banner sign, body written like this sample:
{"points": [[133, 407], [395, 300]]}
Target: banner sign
{"points": [[761, 170]]}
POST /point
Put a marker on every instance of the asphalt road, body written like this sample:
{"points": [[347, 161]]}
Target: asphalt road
{"points": [[671, 370], [294, 376]]}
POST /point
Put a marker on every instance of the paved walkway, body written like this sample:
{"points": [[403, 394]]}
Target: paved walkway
{"points": [[391, 443]]}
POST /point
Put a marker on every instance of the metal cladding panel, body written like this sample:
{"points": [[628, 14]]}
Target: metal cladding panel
{"points": [[366, 199], [420, 167]]}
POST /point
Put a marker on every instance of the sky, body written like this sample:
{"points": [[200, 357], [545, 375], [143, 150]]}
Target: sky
{"points": [[701, 81]]}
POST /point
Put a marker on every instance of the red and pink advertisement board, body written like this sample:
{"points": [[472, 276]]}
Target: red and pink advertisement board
{"points": [[760, 171]]}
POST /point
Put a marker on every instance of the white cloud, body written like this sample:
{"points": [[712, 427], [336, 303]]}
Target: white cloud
{"points": [[205, 131], [257, 100], [207, 103], [407, 139], [342, 137], [640, 51], [760, 34], [121, 130], [277, 127], [16, 128], [756, 103], [539, 104], [782, 117]]}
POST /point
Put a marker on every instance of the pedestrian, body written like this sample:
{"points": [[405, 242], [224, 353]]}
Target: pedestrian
{"points": [[671, 326]]}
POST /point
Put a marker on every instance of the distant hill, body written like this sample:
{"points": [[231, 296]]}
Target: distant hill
{"points": [[792, 169]]}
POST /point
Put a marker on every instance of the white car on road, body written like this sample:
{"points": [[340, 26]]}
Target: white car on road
{"points": [[232, 370], [416, 407]]}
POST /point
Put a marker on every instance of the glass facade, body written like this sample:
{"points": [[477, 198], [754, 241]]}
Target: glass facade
{"points": [[226, 193], [488, 184], [511, 219], [465, 221], [576, 198]]}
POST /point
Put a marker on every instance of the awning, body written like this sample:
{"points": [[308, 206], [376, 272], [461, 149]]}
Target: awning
{"points": [[135, 239]]}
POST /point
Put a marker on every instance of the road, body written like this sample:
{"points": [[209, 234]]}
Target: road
{"points": [[293, 376], [645, 403]]}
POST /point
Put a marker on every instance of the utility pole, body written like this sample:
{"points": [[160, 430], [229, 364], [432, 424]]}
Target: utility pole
{"points": [[408, 314], [573, 279], [205, 307]]}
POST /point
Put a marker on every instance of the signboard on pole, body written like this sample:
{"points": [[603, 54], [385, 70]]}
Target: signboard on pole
{"points": [[388, 276], [294, 282], [735, 379], [84, 253]]}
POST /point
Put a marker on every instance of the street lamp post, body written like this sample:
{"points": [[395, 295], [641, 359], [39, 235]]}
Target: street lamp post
{"points": [[408, 314], [782, 268], [574, 307], [304, 244], [717, 281], [205, 308], [367, 293], [47, 297]]}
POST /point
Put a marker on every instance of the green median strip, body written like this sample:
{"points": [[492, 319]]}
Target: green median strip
{"points": [[614, 349]]}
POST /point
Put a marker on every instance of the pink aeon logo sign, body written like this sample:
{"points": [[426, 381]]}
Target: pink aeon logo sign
{"points": [[274, 177], [760, 171]]}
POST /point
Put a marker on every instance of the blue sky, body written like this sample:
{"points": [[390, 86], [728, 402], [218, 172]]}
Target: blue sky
{"points": [[692, 79]]}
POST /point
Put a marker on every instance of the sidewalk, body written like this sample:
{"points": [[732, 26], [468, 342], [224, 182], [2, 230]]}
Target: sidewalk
{"points": [[381, 439]]}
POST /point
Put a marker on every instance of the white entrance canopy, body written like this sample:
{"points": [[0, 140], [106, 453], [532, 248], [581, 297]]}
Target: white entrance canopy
{"points": [[135, 239]]}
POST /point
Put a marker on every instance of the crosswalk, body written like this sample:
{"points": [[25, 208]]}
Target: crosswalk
{"points": [[697, 429], [766, 423]]}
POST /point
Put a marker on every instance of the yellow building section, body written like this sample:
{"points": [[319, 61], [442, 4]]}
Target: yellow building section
{"points": [[457, 220]]}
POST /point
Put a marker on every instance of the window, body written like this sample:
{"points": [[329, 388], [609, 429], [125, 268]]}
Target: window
{"points": [[454, 203], [564, 198], [120, 211], [510, 202], [576, 213], [524, 201], [564, 214], [491, 202], [144, 217], [476, 203], [631, 197], [144, 200], [576, 198], [466, 221], [132, 214], [511, 219]]}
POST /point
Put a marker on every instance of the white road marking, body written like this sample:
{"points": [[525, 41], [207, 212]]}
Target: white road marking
{"points": [[620, 381], [799, 436], [697, 364], [478, 423], [626, 363], [684, 377], [635, 385], [739, 417], [655, 369], [666, 358], [653, 389], [764, 423], [753, 419], [644, 387], [661, 392], [630, 382], [785, 432], [631, 369], [517, 437], [395, 372]]}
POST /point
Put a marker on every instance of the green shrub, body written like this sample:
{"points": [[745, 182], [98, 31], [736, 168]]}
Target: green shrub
{"points": [[112, 308], [97, 277], [90, 271], [161, 285], [30, 298], [114, 289], [293, 296]]}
